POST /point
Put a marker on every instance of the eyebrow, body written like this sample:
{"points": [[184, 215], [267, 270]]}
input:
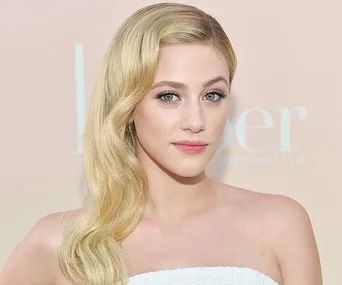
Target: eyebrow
{"points": [[180, 85]]}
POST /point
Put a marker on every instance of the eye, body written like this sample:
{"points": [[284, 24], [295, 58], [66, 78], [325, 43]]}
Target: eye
{"points": [[212, 96], [166, 97], [215, 94]]}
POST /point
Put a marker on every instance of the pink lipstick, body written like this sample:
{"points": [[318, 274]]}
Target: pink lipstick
{"points": [[191, 146]]}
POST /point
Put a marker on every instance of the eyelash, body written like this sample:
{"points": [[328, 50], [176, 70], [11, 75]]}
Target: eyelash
{"points": [[162, 94]]}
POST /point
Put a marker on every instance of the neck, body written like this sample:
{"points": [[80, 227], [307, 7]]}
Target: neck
{"points": [[172, 198]]}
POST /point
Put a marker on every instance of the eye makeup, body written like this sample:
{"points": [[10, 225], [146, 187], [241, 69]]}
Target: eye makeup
{"points": [[165, 96]]}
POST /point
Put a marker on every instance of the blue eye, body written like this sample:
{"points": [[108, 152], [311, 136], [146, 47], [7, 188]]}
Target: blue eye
{"points": [[219, 95], [167, 96]]}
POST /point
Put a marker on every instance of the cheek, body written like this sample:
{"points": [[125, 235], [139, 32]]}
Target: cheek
{"points": [[217, 124], [152, 128]]}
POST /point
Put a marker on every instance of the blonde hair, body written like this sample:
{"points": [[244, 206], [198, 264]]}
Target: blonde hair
{"points": [[90, 248]]}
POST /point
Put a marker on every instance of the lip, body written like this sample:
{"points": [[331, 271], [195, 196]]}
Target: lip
{"points": [[191, 146], [191, 143]]}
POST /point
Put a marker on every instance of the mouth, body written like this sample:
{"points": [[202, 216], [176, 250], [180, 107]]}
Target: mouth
{"points": [[191, 146], [191, 143]]}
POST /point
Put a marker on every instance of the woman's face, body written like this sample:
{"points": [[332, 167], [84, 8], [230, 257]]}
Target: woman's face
{"points": [[184, 104]]}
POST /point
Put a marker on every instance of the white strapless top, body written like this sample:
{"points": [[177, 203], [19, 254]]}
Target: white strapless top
{"points": [[215, 275]]}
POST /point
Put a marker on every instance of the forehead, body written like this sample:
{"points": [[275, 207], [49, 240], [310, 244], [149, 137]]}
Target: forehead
{"points": [[186, 61]]}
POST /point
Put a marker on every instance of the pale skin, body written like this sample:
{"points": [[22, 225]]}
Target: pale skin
{"points": [[191, 219]]}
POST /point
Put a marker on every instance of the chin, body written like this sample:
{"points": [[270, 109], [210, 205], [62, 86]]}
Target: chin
{"points": [[189, 174], [188, 167], [182, 166], [187, 170]]}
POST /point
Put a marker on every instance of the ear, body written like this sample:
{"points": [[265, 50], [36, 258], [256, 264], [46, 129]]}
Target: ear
{"points": [[131, 119]]}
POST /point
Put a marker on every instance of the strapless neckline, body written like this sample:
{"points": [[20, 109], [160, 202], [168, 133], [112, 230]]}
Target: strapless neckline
{"points": [[192, 275]]}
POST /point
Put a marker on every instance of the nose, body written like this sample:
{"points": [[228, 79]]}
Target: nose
{"points": [[193, 118]]}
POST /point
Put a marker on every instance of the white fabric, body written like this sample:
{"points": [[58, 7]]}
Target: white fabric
{"points": [[215, 275]]}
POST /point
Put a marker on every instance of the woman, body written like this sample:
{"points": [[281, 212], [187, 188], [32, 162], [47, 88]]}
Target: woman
{"points": [[154, 217]]}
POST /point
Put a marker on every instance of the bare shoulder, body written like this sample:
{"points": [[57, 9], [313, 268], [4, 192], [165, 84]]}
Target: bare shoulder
{"points": [[272, 207], [294, 242], [37, 253], [283, 216], [289, 233]]}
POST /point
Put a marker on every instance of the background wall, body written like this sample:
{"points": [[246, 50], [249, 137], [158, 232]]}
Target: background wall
{"points": [[284, 135]]}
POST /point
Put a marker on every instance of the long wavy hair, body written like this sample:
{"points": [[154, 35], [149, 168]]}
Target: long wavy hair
{"points": [[89, 251]]}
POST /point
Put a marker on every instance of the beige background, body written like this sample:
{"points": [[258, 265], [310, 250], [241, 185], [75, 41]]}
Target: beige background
{"points": [[286, 125]]}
